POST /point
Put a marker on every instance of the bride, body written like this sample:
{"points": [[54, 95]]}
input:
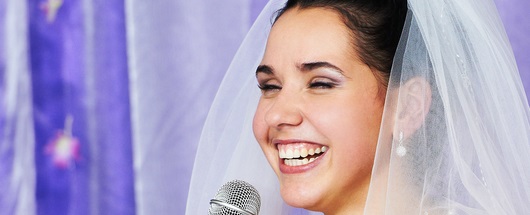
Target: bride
{"points": [[371, 107]]}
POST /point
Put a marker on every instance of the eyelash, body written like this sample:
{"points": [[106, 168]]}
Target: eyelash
{"points": [[314, 85], [268, 87], [322, 85]]}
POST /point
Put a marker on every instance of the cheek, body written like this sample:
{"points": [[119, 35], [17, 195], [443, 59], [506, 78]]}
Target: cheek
{"points": [[261, 133], [352, 126], [259, 126]]}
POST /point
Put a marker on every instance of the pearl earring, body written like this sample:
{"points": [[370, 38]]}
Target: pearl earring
{"points": [[401, 150]]}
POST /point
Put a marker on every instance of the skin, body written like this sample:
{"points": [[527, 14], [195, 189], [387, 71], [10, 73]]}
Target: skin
{"points": [[316, 90]]}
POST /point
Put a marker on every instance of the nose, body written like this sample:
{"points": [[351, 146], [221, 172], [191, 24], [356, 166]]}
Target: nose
{"points": [[285, 111]]}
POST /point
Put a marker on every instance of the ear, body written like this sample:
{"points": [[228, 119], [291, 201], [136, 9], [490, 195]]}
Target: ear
{"points": [[415, 98]]}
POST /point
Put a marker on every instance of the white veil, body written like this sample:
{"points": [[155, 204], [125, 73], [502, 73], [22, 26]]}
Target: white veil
{"points": [[227, 149], [470, 156]]}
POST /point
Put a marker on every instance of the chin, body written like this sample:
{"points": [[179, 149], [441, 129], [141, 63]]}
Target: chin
{"points": [[301, 196]]}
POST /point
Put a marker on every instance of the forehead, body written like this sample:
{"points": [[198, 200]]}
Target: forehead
{"points": [[306, 34]]}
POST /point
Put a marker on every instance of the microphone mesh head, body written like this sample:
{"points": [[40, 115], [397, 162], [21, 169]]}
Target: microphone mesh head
{"points": [[237, 193]]}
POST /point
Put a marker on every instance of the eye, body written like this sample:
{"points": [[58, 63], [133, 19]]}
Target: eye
{"points": [[322, 85], [269, 87]]}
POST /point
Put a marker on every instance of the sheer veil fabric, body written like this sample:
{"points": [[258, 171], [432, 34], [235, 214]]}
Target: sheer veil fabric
{"points": [[469, 155], [227, 149]]}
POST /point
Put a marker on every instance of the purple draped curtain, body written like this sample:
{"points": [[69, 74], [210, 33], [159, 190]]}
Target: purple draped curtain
{"points": [[81, 72], [102, 101]]}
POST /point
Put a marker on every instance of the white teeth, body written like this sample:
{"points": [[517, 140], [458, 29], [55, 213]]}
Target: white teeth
{"points": [[298, 162], [296, 153], [303, 152], [289, 153], [294, 157]]}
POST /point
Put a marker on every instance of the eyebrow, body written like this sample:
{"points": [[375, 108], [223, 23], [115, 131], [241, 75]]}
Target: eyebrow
{"points": [[264, 69], [304, 67], [319, 64]]}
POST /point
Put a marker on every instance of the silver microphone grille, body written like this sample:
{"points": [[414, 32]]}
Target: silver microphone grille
{"points": [[235, 198]]}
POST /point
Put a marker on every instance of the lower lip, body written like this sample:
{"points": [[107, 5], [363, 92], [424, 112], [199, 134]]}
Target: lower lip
{"points": [[285, 169]]}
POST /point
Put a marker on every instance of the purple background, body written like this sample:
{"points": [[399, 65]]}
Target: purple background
{"points": [[138, 79]]}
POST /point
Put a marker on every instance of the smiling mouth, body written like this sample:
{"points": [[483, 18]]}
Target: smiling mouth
{"points": [[300, 155]]}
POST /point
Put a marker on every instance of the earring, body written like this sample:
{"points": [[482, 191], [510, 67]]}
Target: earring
{"points": [[401, 150]]}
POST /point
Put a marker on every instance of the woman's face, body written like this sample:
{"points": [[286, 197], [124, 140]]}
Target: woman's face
{"points": [[319, 115]]}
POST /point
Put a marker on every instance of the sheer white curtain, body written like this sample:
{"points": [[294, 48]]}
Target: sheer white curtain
{"points": [[178, 52], [17, 184]]}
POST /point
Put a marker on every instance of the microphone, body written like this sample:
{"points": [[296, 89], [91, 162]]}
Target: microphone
{"points": [[235, 198]]}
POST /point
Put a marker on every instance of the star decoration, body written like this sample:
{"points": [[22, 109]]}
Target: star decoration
{"points": [[64, 148], [50, 8]]}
